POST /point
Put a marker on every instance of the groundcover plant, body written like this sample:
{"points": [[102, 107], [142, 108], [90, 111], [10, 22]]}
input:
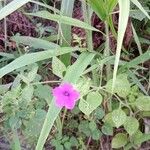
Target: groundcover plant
{"points": [[74, 74]]}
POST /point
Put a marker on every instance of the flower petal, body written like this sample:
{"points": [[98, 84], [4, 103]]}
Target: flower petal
{"points": [[69, 104]]}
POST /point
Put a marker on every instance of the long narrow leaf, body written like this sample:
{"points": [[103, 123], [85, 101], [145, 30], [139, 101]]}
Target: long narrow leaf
{"points": [[72, 76], [32, 58], [63, 19], [34, 42], [135, 2], [124, 6], [11, 7]]}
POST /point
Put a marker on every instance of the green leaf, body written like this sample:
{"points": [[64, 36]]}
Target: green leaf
{"points": [[11, 7], [131, 125], [94, 99], [33, 73], [111, 5], [33, 42], [108, 119], [72, 75], [137, 15], [143, 103], [58, 67], [124, 8], [141, 139], [99, 113], [34, 125], [119, 140], [27, 93], [107, 129], [74, 71], [32, 58], [99, 8], [118, 117], [92, 125], [140, 59], [43, 92], [63, 19], [122, 85], [136, 2], [83, 85]]}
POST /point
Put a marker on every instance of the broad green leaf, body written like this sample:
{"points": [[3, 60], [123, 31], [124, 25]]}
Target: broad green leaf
{"points": [[11, 7], [27, 93], [36, 43], [83, 85], [131, 125], [72, 75], [143, 103], [99, 8], [124, 8], [122, 85], [34, 125], [62, 19], [141, 139], [92, 125], [43, 92], [58, 67], [118, 117], [119, 140], [107, 129], [108, 119], [137, 3], [94, 99], [32, 58]]}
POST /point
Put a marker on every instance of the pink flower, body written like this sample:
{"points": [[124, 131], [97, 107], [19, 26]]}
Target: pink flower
{"points": [[65, 95]]}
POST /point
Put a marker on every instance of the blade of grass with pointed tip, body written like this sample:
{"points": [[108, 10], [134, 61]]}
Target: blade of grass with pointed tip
{"points": [[72, 75], [136, 38], [66, 10], [32, 58], [36, 43], [135, 2], [124, 8], [63, 19], [11, 7]]}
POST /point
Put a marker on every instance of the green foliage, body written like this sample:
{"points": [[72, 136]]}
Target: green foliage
{"points": [[131, 125], [119, 140], [93, 100], [122, 85], [118, 117], [113, 84], [143, 103]]}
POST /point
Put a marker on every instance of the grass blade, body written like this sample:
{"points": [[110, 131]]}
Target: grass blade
{"points": [[36, 43], [32, 58], [72, 75], [135, 2], [124, 6], [63, 19], [11, 7]]}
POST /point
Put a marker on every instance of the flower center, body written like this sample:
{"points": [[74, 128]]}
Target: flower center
{"points": [[66, 93]]}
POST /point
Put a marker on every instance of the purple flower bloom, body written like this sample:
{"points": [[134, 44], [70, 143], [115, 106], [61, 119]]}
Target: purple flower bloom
{"points": [[65, 95]]}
